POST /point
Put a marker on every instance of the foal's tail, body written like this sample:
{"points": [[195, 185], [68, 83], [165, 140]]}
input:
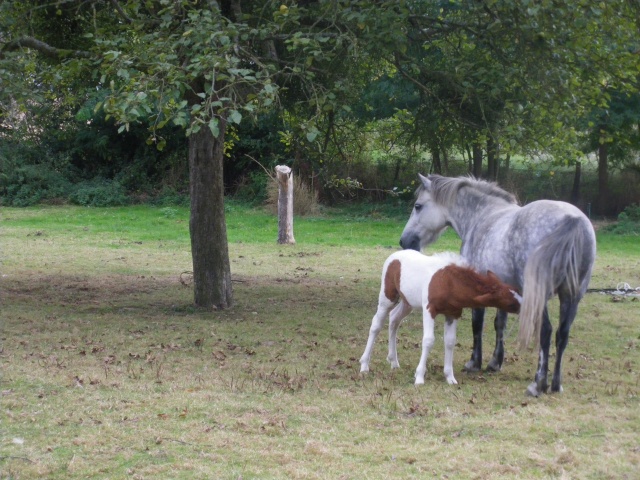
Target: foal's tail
{"points": [[554, 262]]}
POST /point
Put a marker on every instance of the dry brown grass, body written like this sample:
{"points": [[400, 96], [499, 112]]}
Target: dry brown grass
{"points": [[305, 200], [108, 372]]}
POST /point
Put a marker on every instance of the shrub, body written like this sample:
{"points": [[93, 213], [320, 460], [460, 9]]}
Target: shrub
{"points": [[31, 184], [170, 197], [628, 221], [251, 188], [99, 193]]}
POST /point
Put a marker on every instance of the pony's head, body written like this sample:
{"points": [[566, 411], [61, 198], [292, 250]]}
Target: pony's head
{"points": [[427, 220], [499, 295]]}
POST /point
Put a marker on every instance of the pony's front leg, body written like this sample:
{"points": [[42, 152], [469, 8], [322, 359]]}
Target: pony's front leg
{"points": [[540, 385], [427, 342], [395, 318], [449, 344], [500, 323], [376, 326], [477, 321]]}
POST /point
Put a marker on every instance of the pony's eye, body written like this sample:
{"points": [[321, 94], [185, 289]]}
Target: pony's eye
{"points": [[418, 207]]}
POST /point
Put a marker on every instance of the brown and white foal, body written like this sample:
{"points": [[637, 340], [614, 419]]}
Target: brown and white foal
{"points": [[438, 284]]}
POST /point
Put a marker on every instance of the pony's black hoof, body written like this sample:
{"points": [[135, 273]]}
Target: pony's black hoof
{"points": [[471, 367], [494, 366]]}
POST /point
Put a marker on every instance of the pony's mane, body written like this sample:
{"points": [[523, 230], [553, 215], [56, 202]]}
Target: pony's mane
{"points": [[445, 189]]}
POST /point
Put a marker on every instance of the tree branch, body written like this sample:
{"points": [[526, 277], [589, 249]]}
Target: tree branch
{"points": [[43, 48], [121, 12]]}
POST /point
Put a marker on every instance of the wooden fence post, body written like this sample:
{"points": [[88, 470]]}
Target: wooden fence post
{"points": [[284, 176]]}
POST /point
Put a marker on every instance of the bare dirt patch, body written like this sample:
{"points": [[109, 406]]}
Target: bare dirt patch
{"points": [[63, 290]]}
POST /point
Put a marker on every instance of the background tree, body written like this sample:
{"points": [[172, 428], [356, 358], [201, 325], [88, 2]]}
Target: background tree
{"points": [[199, 65], [507, 74], [612, 132], [343, 87]]}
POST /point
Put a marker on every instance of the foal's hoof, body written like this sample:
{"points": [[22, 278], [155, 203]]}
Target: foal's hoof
{"points": [[532, 390], [471, 367]]}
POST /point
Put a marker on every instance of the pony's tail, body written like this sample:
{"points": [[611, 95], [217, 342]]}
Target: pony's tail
{"points": [[554, 262]]}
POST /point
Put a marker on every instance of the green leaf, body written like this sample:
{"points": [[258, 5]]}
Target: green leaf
{"points": [[235, 116], [312, 134], [213, 126]]}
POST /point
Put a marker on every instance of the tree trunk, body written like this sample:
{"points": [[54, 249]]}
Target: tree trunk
{"points": [[285, 205], [469, 159], [445, 158], [575, 189], [396, 169], [436, 165], [477, 160], [507, 164], [603, 172], [207, 226], [492, 159]]}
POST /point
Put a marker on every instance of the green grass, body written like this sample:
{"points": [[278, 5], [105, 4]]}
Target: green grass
{"points": [[109, 372], [244, 225]]}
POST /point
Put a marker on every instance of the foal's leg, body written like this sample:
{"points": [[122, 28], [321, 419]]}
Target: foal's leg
{"points": [[449, 344], [427, 342], [500, 323], [540, 384], [395, 318], [376, 325], [568, 311], [477, 321]]}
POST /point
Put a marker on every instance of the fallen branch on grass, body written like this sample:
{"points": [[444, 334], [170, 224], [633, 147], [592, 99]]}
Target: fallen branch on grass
{"points": [[16, 458]]}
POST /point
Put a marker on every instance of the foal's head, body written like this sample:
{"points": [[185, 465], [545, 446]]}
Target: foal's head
{"points": [[498, 294]]}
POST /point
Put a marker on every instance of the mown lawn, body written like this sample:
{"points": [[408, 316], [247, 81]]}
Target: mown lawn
{"points": [[109, 372]]}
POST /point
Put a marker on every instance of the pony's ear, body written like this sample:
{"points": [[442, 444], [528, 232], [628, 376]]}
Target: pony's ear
{"points": [[426, 183]]}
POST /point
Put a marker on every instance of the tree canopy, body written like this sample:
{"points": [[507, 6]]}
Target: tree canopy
{"points": [[493, 76]]}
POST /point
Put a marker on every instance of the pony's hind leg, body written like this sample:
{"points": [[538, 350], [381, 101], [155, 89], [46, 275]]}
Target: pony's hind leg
{"points": [[395, 318], [568, 311], [477, 321], [540, 385], [449, 344], [500, 323], [376, 325]]}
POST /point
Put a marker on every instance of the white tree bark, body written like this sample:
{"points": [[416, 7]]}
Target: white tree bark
{"points": [[284, 176]]}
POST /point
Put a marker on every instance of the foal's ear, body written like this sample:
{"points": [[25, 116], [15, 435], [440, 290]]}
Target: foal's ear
{"points": [[483, 299], [426, 183], [493, 276]]}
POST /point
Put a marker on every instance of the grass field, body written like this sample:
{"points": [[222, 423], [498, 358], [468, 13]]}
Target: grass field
{"points": [[109, 372]]}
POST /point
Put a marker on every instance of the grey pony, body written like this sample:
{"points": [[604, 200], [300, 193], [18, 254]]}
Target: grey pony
{"points": [[544, 248]]}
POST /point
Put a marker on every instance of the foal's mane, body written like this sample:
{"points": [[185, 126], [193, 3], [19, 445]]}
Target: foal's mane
{"points": [[467, 275], [445, 189]]}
